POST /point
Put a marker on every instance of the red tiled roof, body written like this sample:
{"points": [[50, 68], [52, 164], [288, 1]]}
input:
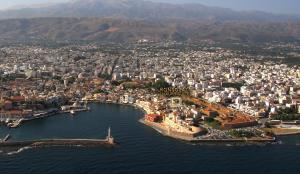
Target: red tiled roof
{"points": [[8, 102], [17, 98]]}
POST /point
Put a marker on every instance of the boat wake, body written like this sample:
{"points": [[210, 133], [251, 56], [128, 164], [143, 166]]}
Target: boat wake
{"points": [[19, 150]]}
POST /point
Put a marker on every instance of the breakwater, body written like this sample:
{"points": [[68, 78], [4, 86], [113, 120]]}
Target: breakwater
{"points": [[57, 142], [108, 141]]}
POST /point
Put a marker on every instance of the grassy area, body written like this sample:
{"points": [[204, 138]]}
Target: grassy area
{"points": [[213, 123], [241, 133]]}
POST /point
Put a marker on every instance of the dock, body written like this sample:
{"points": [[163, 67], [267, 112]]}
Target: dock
{"points": [[75, 110]]}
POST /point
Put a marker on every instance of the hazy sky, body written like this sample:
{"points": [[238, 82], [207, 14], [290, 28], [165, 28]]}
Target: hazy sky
{"points": [[11, 3], [275, 6]]}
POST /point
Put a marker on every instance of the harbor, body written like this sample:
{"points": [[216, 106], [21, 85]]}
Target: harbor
{"points": [[16, 121], [138, 143], [197, 135]]}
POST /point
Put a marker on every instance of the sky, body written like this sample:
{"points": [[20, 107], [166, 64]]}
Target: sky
{"points": [[273, 6], [4, 4]]}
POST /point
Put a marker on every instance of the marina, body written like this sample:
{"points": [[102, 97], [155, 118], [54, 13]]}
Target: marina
{"points": [[13, 122]]}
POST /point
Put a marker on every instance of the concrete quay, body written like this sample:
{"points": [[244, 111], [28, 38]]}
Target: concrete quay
{"points": [[57, 142], [108, 142]]}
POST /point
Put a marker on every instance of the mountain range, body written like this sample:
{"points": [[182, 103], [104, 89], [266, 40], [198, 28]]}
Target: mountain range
{"points": [[128, 20], [140, 9]]}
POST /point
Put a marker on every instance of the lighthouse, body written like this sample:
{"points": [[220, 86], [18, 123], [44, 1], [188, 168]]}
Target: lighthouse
{"points": [[109, 138]]}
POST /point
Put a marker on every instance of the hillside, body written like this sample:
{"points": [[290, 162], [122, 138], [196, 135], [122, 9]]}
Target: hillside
{"points": [[123, 30], [131, 20]]}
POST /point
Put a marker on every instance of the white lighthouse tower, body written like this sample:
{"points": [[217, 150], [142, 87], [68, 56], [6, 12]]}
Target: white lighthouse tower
{"points": [[109, 138]]}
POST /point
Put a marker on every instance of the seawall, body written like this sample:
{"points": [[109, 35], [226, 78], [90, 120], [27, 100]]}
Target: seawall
{"points": [[57, 142], [192, 139]]}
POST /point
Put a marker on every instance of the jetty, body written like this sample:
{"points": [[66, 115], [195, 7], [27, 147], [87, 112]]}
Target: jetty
{"points": [[108, 142]]}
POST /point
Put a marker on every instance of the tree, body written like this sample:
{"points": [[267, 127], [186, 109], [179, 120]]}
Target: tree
{"points": [[161, 83], [115, 83]]}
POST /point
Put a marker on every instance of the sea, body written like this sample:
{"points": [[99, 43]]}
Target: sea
{"points": [[141, 149]]}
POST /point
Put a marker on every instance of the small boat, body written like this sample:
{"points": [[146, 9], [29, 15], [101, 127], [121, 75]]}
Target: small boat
{"points": [[6, 138], [15, 124], [72, 112], [7, 120]]}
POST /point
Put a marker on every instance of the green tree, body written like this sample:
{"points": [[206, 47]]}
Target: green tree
{"points": [[161, 83]]}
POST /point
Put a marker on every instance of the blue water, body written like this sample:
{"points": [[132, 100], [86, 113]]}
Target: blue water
{"points": [[142, 150]]}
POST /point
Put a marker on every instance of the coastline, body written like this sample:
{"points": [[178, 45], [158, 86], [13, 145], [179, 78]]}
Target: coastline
{"points": [[167, 133], [57, 112], [174, 134], [286, 132]]}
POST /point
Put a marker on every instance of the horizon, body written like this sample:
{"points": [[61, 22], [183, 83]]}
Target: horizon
{"points": [[287, 7]]}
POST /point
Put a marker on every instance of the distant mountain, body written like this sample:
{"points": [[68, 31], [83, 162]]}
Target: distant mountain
{"points": [[122, 30], [24, 6], [131, 20], [140, 10]]}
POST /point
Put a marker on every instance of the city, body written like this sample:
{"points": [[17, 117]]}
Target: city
{"points": [[149, 86], [226, 90]]}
